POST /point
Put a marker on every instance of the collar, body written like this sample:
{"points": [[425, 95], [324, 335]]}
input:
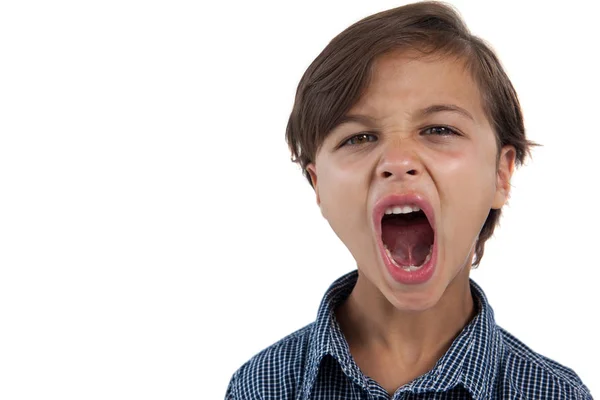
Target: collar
{"points": [[472, 360]]}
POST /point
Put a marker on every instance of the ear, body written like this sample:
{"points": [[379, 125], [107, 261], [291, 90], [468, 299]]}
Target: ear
{"points": [[312, 171], [506, 167]]}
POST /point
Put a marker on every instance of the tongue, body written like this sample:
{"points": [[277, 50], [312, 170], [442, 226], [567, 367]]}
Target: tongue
{"points": [[409, 242]]}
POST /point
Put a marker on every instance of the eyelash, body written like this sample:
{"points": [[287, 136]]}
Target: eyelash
{"points": [[450, 131], [345, 142]]}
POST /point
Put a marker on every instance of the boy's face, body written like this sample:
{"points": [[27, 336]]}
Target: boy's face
{"points": [[401, 151]]}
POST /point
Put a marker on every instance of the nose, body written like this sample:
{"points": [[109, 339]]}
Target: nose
{"points": [[399, 160]]}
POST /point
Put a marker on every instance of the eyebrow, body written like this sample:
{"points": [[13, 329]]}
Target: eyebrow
{"points": [[358, 118], [433, 109], [436, 108]]}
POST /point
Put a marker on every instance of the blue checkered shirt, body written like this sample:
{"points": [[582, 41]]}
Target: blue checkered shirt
{"points": [[483, 362]]}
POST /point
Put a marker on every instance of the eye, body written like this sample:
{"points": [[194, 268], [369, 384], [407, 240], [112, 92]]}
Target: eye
{"points": [[361, 138], [440, 131]]}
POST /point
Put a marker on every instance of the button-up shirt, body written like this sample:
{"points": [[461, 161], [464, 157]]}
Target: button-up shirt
{"points": [[483, 362]]}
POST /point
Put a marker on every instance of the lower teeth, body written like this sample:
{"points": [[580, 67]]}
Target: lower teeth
{"points": [[409, 268]]}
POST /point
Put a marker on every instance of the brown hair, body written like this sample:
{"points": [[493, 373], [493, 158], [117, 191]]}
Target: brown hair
{"points": [[335, 80]]}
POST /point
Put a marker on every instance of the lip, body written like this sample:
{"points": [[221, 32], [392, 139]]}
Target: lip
{"points": [[425, 273]]}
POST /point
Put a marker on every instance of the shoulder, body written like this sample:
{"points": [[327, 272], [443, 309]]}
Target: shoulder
{"points": [[533, 376], [275, 372]]}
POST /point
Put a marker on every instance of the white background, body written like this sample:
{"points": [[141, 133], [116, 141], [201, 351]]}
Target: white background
{"points": [[154, 234]]}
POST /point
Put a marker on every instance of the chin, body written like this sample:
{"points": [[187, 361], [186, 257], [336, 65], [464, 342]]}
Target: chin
{"points": [[415, 297]]}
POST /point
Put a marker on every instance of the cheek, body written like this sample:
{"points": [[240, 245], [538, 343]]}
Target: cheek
{"points": [[341, 188], [466, 186], [343, 196]]}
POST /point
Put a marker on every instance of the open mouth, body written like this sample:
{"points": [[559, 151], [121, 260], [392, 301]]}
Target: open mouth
{"points": [[407, 237]]}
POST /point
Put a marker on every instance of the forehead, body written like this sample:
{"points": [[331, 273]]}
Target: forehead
{"points": [[405, 82]]}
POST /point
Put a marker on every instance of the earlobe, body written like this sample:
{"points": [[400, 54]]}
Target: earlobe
{"points": [[506, 167], [312, 171]]}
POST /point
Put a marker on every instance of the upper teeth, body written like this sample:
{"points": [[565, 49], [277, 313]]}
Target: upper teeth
{"points": [[402, 209]]}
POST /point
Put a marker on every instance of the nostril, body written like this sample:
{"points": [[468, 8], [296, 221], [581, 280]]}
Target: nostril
{"points": [[387, 174]]}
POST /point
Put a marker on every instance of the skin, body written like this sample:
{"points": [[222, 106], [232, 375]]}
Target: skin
{"points": [[397, 332]]}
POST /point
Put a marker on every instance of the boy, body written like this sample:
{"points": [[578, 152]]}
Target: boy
{"points": [[408, 129]]}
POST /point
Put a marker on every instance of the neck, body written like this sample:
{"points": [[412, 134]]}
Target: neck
{"points": [[410, 339]]}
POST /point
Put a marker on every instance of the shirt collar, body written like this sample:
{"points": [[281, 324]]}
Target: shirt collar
{"points": [[472, 360]]}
